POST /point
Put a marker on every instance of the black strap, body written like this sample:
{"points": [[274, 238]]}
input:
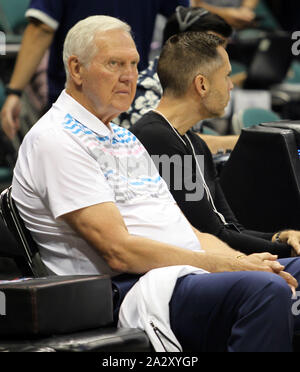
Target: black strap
{"points": [[17, 92]]}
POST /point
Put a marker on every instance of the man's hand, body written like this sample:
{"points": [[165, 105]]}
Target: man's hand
{"points": [[36, 40], [291, 281], [268, 262], [228, 259], [292, 238], [10, 116], [263, 262], [239, 17]]}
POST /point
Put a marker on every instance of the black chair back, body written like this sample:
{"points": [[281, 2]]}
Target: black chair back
{"points": [[271, 61], [27, 256], [261, 179]]}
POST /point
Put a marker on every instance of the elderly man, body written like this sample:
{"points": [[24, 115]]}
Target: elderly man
{"points": [[94, 202]]}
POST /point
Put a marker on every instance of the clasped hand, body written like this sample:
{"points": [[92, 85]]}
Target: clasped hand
{"points": [[292, 238], [268, 262]]}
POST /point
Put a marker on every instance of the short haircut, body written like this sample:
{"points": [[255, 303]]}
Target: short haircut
{"points": [[198, 19], [186, 55], [80, 38]]}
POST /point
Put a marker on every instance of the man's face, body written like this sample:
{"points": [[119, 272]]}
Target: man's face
{"points": [[109, 82], [220, 86]]}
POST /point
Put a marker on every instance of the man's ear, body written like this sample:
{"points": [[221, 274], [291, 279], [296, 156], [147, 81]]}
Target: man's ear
{"points": [[202, 85], [75, 70]]}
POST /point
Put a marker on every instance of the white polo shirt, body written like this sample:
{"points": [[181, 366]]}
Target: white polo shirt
{"points": [[70, 160]]}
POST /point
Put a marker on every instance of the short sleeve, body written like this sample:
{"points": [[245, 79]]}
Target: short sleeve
{"points": [[49, 12]]}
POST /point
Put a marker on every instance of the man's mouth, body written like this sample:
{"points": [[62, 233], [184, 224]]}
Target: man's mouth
{"points": [[125, 92]]}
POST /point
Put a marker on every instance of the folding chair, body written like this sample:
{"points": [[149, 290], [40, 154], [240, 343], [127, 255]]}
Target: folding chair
{"points": [[27, 256]]}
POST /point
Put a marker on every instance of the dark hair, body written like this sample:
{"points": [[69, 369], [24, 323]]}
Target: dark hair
{"points": [[202, 20], [185, 55]]}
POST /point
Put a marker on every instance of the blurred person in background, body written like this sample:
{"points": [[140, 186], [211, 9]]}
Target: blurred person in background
{"points": [[238, 13]]}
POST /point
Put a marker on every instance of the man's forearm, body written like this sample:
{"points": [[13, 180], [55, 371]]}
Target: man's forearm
{"points": [[251, 4], [216, 143], [36, 40], [144, 254], [211, 8]]}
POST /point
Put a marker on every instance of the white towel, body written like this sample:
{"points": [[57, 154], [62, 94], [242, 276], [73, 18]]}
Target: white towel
{"points": [[146, 305]]}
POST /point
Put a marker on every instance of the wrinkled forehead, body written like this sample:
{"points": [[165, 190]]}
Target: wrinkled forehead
{"points": [[118, 39]]}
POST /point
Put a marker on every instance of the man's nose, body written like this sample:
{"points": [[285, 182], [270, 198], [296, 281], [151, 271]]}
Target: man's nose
{"points": [[129, 73]]}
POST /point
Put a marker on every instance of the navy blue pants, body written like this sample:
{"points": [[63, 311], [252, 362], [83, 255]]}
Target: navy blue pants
{"points": [[232, 311]]}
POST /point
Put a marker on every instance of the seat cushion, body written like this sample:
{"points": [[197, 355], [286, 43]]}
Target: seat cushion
{"points": [[102, 339], [55, 305]]}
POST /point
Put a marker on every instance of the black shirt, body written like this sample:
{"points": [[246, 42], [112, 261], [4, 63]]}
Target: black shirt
{"points": [[159, 138]]}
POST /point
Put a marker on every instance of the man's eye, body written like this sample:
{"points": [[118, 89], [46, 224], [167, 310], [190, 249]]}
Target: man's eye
{"points": [[113, 64]]}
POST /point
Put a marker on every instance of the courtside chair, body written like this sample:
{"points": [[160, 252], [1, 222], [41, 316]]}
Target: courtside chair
{"points": [[12, 16], [209, 131], [251, 117], [27, 256], [5, 171], [261, 179]]}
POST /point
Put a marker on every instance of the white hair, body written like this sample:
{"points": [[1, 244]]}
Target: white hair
{"points": [[80, 38]]}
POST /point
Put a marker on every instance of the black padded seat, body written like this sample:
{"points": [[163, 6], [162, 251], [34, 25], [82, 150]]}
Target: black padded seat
{"points": [[102, 339]]}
